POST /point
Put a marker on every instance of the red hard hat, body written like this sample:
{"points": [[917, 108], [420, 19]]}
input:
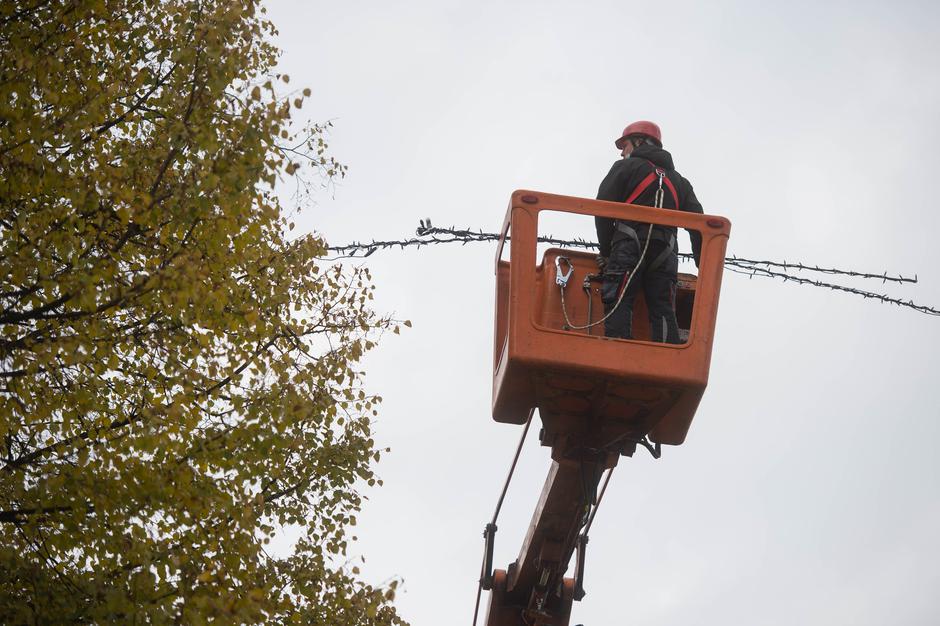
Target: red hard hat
{"points": [[647, 129]]}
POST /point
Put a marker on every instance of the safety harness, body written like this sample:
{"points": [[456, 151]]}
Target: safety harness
{"points": [[660, 174], [657, 172], [561, 278]]}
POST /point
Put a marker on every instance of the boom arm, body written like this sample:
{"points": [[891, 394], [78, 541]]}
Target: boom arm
{"points": [[533, 590]]}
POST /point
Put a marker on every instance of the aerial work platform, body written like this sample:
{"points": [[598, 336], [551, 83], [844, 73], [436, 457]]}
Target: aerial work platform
{"points": [[639, 387], [597, 397]]}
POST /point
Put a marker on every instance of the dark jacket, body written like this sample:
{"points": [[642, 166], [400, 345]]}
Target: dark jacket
{"points": [[623, 178]]}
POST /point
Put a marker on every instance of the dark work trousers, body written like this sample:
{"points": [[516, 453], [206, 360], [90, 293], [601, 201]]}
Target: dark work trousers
{"points": [[658, 283]]}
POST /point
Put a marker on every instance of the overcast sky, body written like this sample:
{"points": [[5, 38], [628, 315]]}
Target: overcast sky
{"points": [[808, 490]]}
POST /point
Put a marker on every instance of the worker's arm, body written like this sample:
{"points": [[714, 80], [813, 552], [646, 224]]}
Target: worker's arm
{"points": [[688, 202], [612, 189]]}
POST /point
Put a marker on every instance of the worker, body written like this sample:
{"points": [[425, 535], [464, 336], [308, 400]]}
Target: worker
{"points": [[636, 178]]}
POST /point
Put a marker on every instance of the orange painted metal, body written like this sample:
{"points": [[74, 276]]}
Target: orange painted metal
{"points": [[591, 390], [502, 611], [597, 397]]}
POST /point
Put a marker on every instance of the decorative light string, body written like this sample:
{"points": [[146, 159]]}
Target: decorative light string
{"points": [[428, 235]]}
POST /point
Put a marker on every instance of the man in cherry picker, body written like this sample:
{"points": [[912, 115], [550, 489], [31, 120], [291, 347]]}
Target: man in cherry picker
{"points": [[645, 175]]}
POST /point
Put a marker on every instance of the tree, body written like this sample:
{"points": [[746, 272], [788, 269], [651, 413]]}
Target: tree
{"points": [[178, 376]]}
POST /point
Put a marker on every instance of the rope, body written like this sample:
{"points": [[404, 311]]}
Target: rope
{"points": [[658, 203], [623, 292], [499, 506]]}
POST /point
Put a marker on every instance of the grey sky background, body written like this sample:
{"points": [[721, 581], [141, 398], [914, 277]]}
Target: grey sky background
{"points": [[808, 490]]}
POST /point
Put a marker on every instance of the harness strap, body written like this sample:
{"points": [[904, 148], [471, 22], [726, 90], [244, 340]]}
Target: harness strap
{"points": [[628, 230], [643, 186], [646, 182], [668, 250], [672, 190], [662, 256], [636, 193]]}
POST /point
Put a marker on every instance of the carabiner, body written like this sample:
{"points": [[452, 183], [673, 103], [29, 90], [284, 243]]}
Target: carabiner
{"points": [[562, 279]]}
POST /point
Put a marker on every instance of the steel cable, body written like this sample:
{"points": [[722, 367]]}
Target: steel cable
{"points": [[499, 506]]}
